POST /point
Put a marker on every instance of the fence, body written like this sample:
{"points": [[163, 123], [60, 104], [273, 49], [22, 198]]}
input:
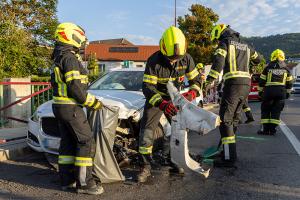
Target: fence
{"points": [[40, 92]]}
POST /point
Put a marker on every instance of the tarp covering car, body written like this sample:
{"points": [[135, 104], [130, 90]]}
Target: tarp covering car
{"points": [[104, 123]]}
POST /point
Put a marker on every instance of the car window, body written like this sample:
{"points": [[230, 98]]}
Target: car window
{"points": [[296, 85], [119, 80]]}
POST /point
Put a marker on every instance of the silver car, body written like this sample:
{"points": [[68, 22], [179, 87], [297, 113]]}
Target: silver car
{"points": [[122, 88]]}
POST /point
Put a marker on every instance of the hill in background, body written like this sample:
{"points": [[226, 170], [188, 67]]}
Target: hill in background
{"points": [[289, 43]]}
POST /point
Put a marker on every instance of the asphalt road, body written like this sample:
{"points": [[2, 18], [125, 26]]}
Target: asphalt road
{"points": [[268, 168]]}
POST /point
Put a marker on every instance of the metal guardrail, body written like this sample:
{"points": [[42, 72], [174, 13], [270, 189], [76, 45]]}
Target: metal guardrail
{"points": [[39, 94], [40, 98]]}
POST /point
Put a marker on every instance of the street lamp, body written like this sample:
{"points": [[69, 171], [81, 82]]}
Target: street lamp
{"points": [[175, 14]]}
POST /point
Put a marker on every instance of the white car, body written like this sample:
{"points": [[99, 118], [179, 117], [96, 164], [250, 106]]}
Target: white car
{"points": [[296, 87], [122, 88]]}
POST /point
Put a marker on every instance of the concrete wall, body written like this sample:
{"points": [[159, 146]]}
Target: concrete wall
{"points": [[13, 93]]}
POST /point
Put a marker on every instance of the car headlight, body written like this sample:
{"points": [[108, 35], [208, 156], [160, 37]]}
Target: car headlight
{"points": [[35, 117]]}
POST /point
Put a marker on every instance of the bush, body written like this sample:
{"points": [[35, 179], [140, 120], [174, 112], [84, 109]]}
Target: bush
{"points": [[35, 78]]}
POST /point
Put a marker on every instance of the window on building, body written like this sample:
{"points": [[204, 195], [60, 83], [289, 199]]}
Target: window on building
{"points": [[124, 49]]}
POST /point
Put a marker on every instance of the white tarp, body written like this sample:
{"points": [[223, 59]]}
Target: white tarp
{"points": [[189, 117]]}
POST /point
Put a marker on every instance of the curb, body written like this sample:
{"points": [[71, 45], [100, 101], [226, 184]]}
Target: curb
{"points": [[14, 150]]}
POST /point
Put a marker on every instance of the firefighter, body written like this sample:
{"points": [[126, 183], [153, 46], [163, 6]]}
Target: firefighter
{"points": [[246, 108], [233, 57], [274, 87], [170, 63], [201, 71], [69, 81]]}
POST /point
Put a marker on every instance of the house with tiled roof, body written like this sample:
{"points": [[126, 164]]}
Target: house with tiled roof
{"points": [[118, 53]]}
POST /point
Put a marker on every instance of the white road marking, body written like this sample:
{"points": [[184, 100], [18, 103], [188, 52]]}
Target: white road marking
{"points": [[290, 135]]}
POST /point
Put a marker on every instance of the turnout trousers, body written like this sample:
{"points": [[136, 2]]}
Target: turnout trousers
{"points": [[233, 99], [77, 146], [247, 110], [149, 123], [272, 104]]}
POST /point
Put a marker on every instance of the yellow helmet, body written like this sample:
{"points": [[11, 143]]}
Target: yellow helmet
{"points": [[173, 43], [277, 55], [217, 31], [69, 33], [199, 66]]}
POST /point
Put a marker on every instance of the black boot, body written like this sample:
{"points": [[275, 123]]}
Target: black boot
{"points": [[250, 117], [175, 170], [265, 130], [272, 128], [67, 177], [94, 190], [227, 160], [224, 163]]}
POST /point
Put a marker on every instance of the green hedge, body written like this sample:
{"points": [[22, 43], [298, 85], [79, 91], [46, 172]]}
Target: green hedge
{"points": [[36, 78]]}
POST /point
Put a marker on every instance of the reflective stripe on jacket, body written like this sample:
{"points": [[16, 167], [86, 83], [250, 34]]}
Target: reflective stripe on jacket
{"points": [[159, 71], [276, 74], [69, 78], [233, 56]]}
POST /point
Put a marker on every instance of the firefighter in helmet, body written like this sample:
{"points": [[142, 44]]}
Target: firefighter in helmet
{"points": [[275, 85], [170, 63], [233, 57], [69, 81]]}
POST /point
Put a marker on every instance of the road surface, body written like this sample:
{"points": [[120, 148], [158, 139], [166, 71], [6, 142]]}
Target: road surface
{"points": [[268, 169]]}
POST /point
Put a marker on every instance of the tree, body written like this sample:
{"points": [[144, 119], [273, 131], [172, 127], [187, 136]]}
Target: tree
{"points": [[26, 32], [288, 42], [197, 28], [36, 16], [18, 54]]}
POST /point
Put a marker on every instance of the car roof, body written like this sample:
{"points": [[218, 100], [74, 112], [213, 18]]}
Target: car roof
{"points": [[129, 69]]}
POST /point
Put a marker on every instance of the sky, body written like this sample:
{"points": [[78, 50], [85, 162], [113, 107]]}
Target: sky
{"points": [[143, 21]]}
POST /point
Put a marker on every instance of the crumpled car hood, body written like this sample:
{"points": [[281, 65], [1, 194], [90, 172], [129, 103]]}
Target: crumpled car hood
{"points": [[128, 101]]}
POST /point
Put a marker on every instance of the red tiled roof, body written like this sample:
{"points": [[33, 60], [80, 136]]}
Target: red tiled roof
{"points": [[102, 52]]}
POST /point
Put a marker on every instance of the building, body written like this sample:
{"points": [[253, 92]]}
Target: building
{"points": [[118, 53]]}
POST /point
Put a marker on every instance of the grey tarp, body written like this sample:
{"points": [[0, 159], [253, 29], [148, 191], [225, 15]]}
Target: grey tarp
{"points": [[104, 123]]}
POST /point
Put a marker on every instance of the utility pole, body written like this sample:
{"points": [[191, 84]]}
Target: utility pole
{"points": [[175, 21]]}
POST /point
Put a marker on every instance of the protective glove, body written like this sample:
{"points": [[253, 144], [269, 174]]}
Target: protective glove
{"points": [[190, 95], [168, 108], [97, 105], [288, 95]]}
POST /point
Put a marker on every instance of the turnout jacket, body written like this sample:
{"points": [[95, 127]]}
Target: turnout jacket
{"points": [[159, 71], [233, 56], [276, 75], [68, 77]]}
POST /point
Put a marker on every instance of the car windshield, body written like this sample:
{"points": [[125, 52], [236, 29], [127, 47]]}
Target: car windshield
{"points": [[119, 80]]}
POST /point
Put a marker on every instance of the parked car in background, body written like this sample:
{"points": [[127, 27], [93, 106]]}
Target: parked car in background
{"points": [[296, 87], [253, 95]]}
